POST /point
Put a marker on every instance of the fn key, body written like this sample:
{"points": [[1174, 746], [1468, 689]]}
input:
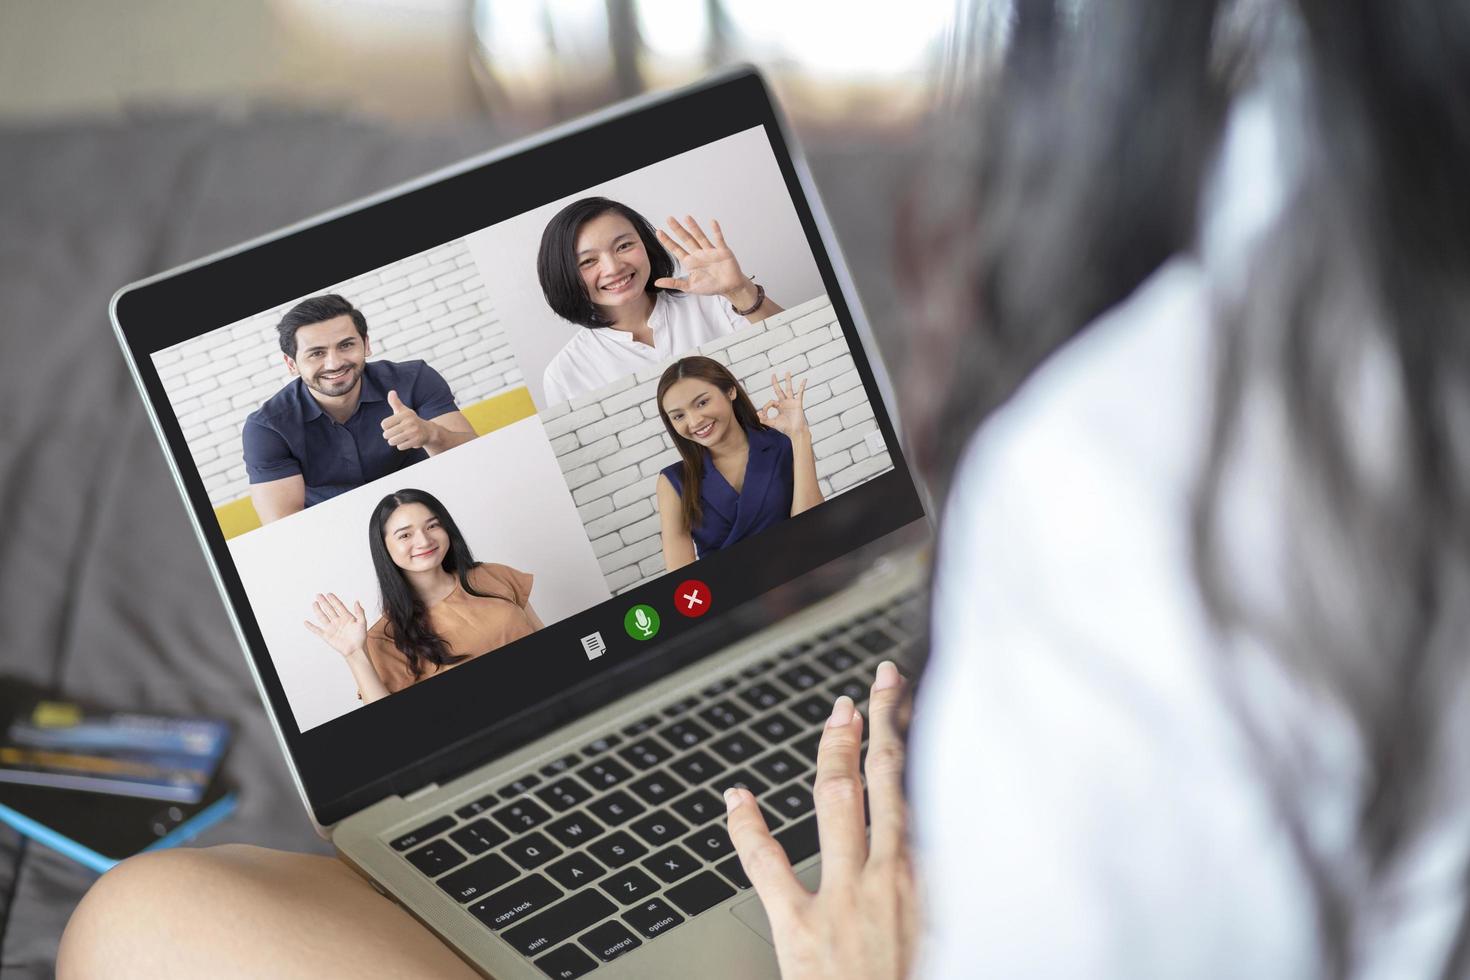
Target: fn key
{"points": [[703, 891]]}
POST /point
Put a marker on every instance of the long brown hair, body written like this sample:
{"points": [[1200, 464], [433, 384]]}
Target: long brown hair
{"points": [[711, 370]]}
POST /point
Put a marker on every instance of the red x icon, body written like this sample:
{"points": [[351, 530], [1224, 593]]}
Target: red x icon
{"points": [[692, 598]]}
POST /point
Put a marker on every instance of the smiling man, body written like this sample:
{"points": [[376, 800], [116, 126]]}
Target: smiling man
{"points": [[342, 421]]}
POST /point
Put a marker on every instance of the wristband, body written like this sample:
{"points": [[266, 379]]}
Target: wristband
{"points": [[760, 297]]}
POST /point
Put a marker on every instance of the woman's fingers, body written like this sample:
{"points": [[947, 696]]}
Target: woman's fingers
{"points": [[765, 410], [801, 392], [682, 234], [697, 233], [838, 794], [715, 234], [765, 863], [681, 284], [667, 242], [313, 627], [885, 763], [338, 606], [359, 613], [322, 608]]}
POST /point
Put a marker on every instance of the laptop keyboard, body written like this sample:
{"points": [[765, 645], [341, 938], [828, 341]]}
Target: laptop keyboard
{"points": [[609, 847]]}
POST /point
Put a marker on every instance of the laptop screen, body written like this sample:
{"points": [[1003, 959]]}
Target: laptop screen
{"points": [[446, 488]]}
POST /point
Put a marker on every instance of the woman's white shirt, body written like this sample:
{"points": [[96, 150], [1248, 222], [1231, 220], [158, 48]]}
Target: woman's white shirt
{"points": [[594, 358]]}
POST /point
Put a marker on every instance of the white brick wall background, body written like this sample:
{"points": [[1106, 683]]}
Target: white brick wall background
{"points": [[432, 306], [611, 444]]}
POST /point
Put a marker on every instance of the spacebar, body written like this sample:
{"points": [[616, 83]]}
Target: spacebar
{"points": [[799, 840]]}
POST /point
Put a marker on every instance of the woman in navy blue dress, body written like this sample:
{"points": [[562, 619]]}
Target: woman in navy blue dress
{"points": [[742, 469]]}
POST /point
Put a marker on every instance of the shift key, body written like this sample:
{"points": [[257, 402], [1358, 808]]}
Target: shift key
{"points": [[560, 921]]}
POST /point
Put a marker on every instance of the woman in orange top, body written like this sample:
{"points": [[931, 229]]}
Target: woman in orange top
{"points": [[440, 606]]}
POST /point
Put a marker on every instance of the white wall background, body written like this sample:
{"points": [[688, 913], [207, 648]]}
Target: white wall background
{"points": [[735, 179], [431, 306], [610, 445], [505, 492]]}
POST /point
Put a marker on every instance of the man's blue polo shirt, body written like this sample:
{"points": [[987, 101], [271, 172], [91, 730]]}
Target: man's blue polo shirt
{"points": [[290, 434]]}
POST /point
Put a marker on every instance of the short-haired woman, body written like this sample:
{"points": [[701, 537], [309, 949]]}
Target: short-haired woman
{"points": [[603, 267]]}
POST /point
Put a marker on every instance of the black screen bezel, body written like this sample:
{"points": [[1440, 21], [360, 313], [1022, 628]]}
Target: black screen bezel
{"points": [[431, 732]]}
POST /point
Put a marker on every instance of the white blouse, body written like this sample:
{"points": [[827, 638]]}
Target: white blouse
{"points": [[596, 357]]}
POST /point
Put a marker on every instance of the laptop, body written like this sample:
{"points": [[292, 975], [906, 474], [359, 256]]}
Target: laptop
{"points": [[447, 504]]}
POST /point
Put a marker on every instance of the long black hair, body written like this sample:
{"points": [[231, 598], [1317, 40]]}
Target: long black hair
{"points": [[1096, 125], [408, 625], [556, 262], [692, 453]]}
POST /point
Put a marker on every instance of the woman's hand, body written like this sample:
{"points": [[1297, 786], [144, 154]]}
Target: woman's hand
{"points": [[710, 268], [343, 630], [790, 416], [862, 924]]}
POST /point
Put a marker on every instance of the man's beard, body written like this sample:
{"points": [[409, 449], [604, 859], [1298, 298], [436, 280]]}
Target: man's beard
{"points": [[336, 387]]}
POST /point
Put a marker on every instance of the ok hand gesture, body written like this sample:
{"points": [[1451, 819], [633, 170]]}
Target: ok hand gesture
{"points": [[710, 268], [790, 416], [343, 630]]}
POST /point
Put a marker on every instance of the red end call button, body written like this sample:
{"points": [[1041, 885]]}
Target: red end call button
{"points": [[692, 598]]}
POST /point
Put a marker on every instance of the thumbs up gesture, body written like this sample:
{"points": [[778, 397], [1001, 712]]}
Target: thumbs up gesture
{"points": [[404, 430]]}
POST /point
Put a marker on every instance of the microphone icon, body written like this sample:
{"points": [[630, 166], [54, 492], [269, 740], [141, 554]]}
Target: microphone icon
{"points": [[641, 620]]}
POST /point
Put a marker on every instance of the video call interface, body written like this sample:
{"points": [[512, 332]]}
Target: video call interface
{"points": [[430, 462]]}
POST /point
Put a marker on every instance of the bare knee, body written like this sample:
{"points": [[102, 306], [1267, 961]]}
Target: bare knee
{"points": [[138, 918]]}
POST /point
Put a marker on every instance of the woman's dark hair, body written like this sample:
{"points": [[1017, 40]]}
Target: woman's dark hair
{"points": [[692, 453], [1080, 174], [556, 262], [408, 625], [317, 309]]}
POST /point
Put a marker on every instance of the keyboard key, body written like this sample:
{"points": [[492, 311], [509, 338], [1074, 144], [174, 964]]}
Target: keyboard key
{"points": [[762, 696], [605, 774], [684, 734], [511, 904], [697, 767], [778, 767], [671, 864], [644, 754], [737, 747], [777, 727], [610, 940], [791, 801], [532, 850], [479, 837], [720, 687], [801, 677], [838, 659], [724, 715], [807, 745], [563, 794], [574, 829], [712, 843], [416, 837], [732, 869], [436, 858], [563, 765], [659, 828], [640, 726], [850, 686], [617, 849], [705, 890], [629, 885], [758, 668], [657, 788], [600, 745], [511, 790], [566, 963], [521, 815], [800, 839], [652, 917], [698, 806], [583, 909], [742, 777], [681, 706], [874, 641], [615, 808], [574, 871], [479, 878], [791, 653], [812, 709], [476, 807]]}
